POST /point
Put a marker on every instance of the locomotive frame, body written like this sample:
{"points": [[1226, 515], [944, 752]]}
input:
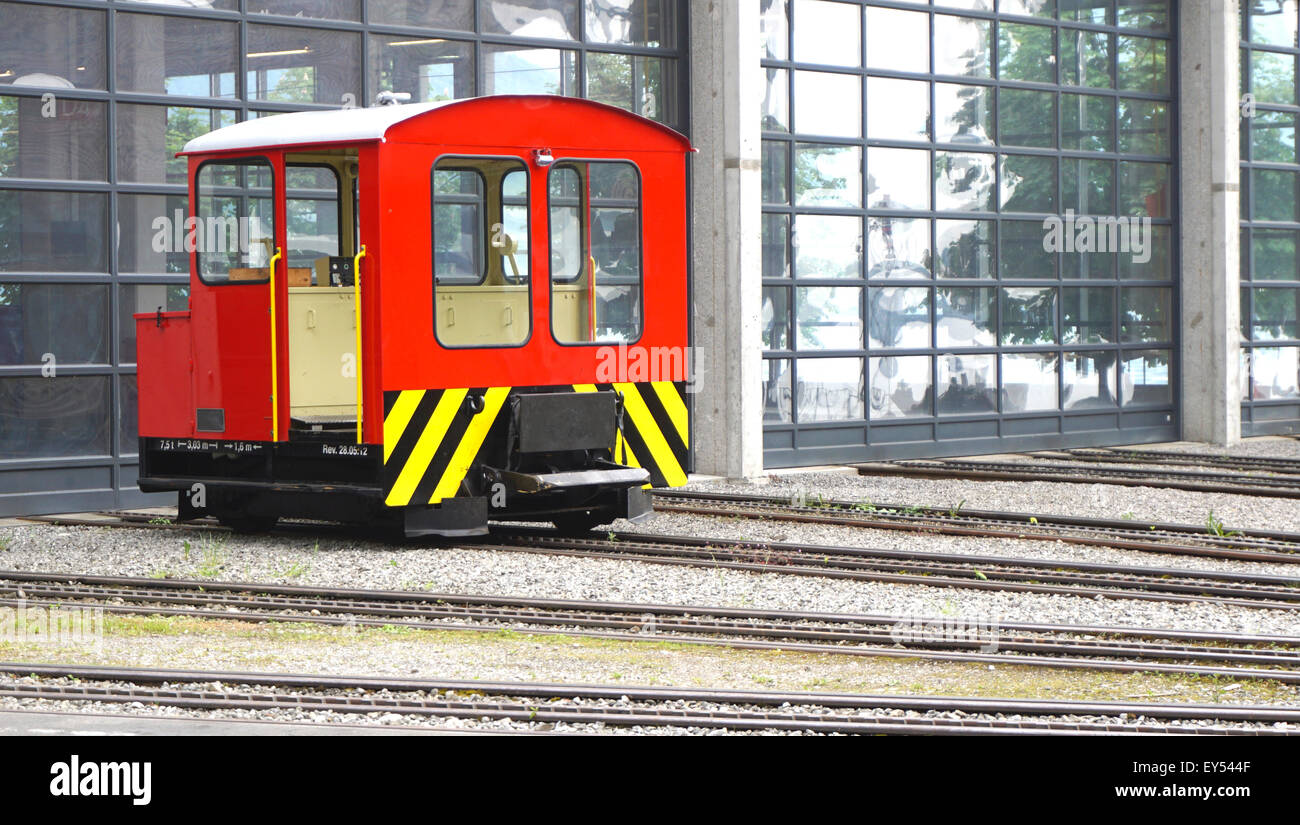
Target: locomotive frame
{"points": [[404, 367]]}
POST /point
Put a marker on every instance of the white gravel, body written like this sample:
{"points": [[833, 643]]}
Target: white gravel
{"points": [[350, 563], [470, 722]]}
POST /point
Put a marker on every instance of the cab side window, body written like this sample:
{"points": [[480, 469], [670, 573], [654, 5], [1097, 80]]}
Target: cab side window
{"points": [[235, 221], [480, 231], [595, 216]]}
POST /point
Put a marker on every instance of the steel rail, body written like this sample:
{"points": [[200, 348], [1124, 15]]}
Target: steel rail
{"points": [[1156, 538], [1243, 485], [444, 701], [817, 633]]}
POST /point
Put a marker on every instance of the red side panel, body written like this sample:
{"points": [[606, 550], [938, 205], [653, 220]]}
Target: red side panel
{"points": [[232, 358], [165, 374]]}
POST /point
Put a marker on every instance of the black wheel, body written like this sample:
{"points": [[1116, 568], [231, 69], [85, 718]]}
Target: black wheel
{"points": [[247, 523], [577, 524]]}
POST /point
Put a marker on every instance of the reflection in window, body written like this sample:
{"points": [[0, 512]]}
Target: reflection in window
{"points": [[69, 321], [513, 71], [777, 394], [1090, 381], [549, 19], [429, 69], [899, 318], [235, 211], [50, 47], [646, 86], [1145, 379], [632, 22], [900, 387], [69, 145], [898, 248], [53, 417], [291, 65], [965, 317], [968, 384], [1029, 382], [827, 246], [312, 206], [149, 137], [1028, 316], [459, 204], [480, 252], [965, 248], [826, 175], [595, 217], [53, 231], [830, 389], [828, 318], [176, 55]]}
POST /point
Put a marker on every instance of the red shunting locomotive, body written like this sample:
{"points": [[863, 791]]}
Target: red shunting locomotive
{"points": [[421, 315]]}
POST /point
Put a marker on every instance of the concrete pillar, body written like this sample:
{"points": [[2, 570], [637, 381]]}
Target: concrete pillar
{"points": [[1210, 82], [726, 99]]}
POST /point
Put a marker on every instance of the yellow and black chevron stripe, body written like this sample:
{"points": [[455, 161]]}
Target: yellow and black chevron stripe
{"points": [[433, 437], [656, 430]]}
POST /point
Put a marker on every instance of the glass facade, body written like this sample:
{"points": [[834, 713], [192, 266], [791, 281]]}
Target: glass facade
{"points": [[1270, 225], [969, 237], [96, 97]]}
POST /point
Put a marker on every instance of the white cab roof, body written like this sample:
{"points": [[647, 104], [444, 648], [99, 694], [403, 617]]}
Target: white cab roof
{"points": [[297, 128]]}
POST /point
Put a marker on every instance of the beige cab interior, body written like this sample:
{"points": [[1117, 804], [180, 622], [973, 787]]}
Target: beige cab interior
{"points": [[323, 362]]}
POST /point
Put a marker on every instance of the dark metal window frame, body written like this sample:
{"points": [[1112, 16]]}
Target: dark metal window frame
{"points": [[799, 443], [1278, 416]]}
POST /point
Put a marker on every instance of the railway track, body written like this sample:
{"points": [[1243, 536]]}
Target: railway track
{"points": [[1114, 455], [890, 566], [1235, 656], [1203, 482], [552, 705], [1175, 539]]}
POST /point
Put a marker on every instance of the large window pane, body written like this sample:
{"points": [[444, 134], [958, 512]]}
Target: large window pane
{"points": [[63, 416], [444, 14], [900, 388], [814, 19], [290, 65], [830, 389], [148, 138], [827, 246], [512, 71], [557, 19], [427, 68], [178, 55], [828, 318], [53, 325], [49, 47], [60, 139], [53, 231], [632, 22]]}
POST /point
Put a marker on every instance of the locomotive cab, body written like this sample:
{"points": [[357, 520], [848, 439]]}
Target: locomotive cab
{"points": [[428, 315]]}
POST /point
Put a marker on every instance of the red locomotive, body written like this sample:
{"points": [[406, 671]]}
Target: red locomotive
{"points": [[420, 314]]}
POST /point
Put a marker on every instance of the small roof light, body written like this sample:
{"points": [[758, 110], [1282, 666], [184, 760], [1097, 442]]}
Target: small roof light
{"points": [[543, 157]]}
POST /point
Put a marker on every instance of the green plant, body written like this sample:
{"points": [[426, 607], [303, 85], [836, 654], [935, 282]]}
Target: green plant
{"points": [[214, 560], [1128, 516], [293, 571], [160, 520], [1215, 527], [956, 511]]}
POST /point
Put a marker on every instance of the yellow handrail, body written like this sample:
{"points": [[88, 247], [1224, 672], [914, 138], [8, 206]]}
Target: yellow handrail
{"points": [[275, 371], [356, 305]]}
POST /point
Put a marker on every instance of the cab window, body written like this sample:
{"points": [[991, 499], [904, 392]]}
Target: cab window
{"points": [[595, 231], [480, 252], [235, 221]]}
